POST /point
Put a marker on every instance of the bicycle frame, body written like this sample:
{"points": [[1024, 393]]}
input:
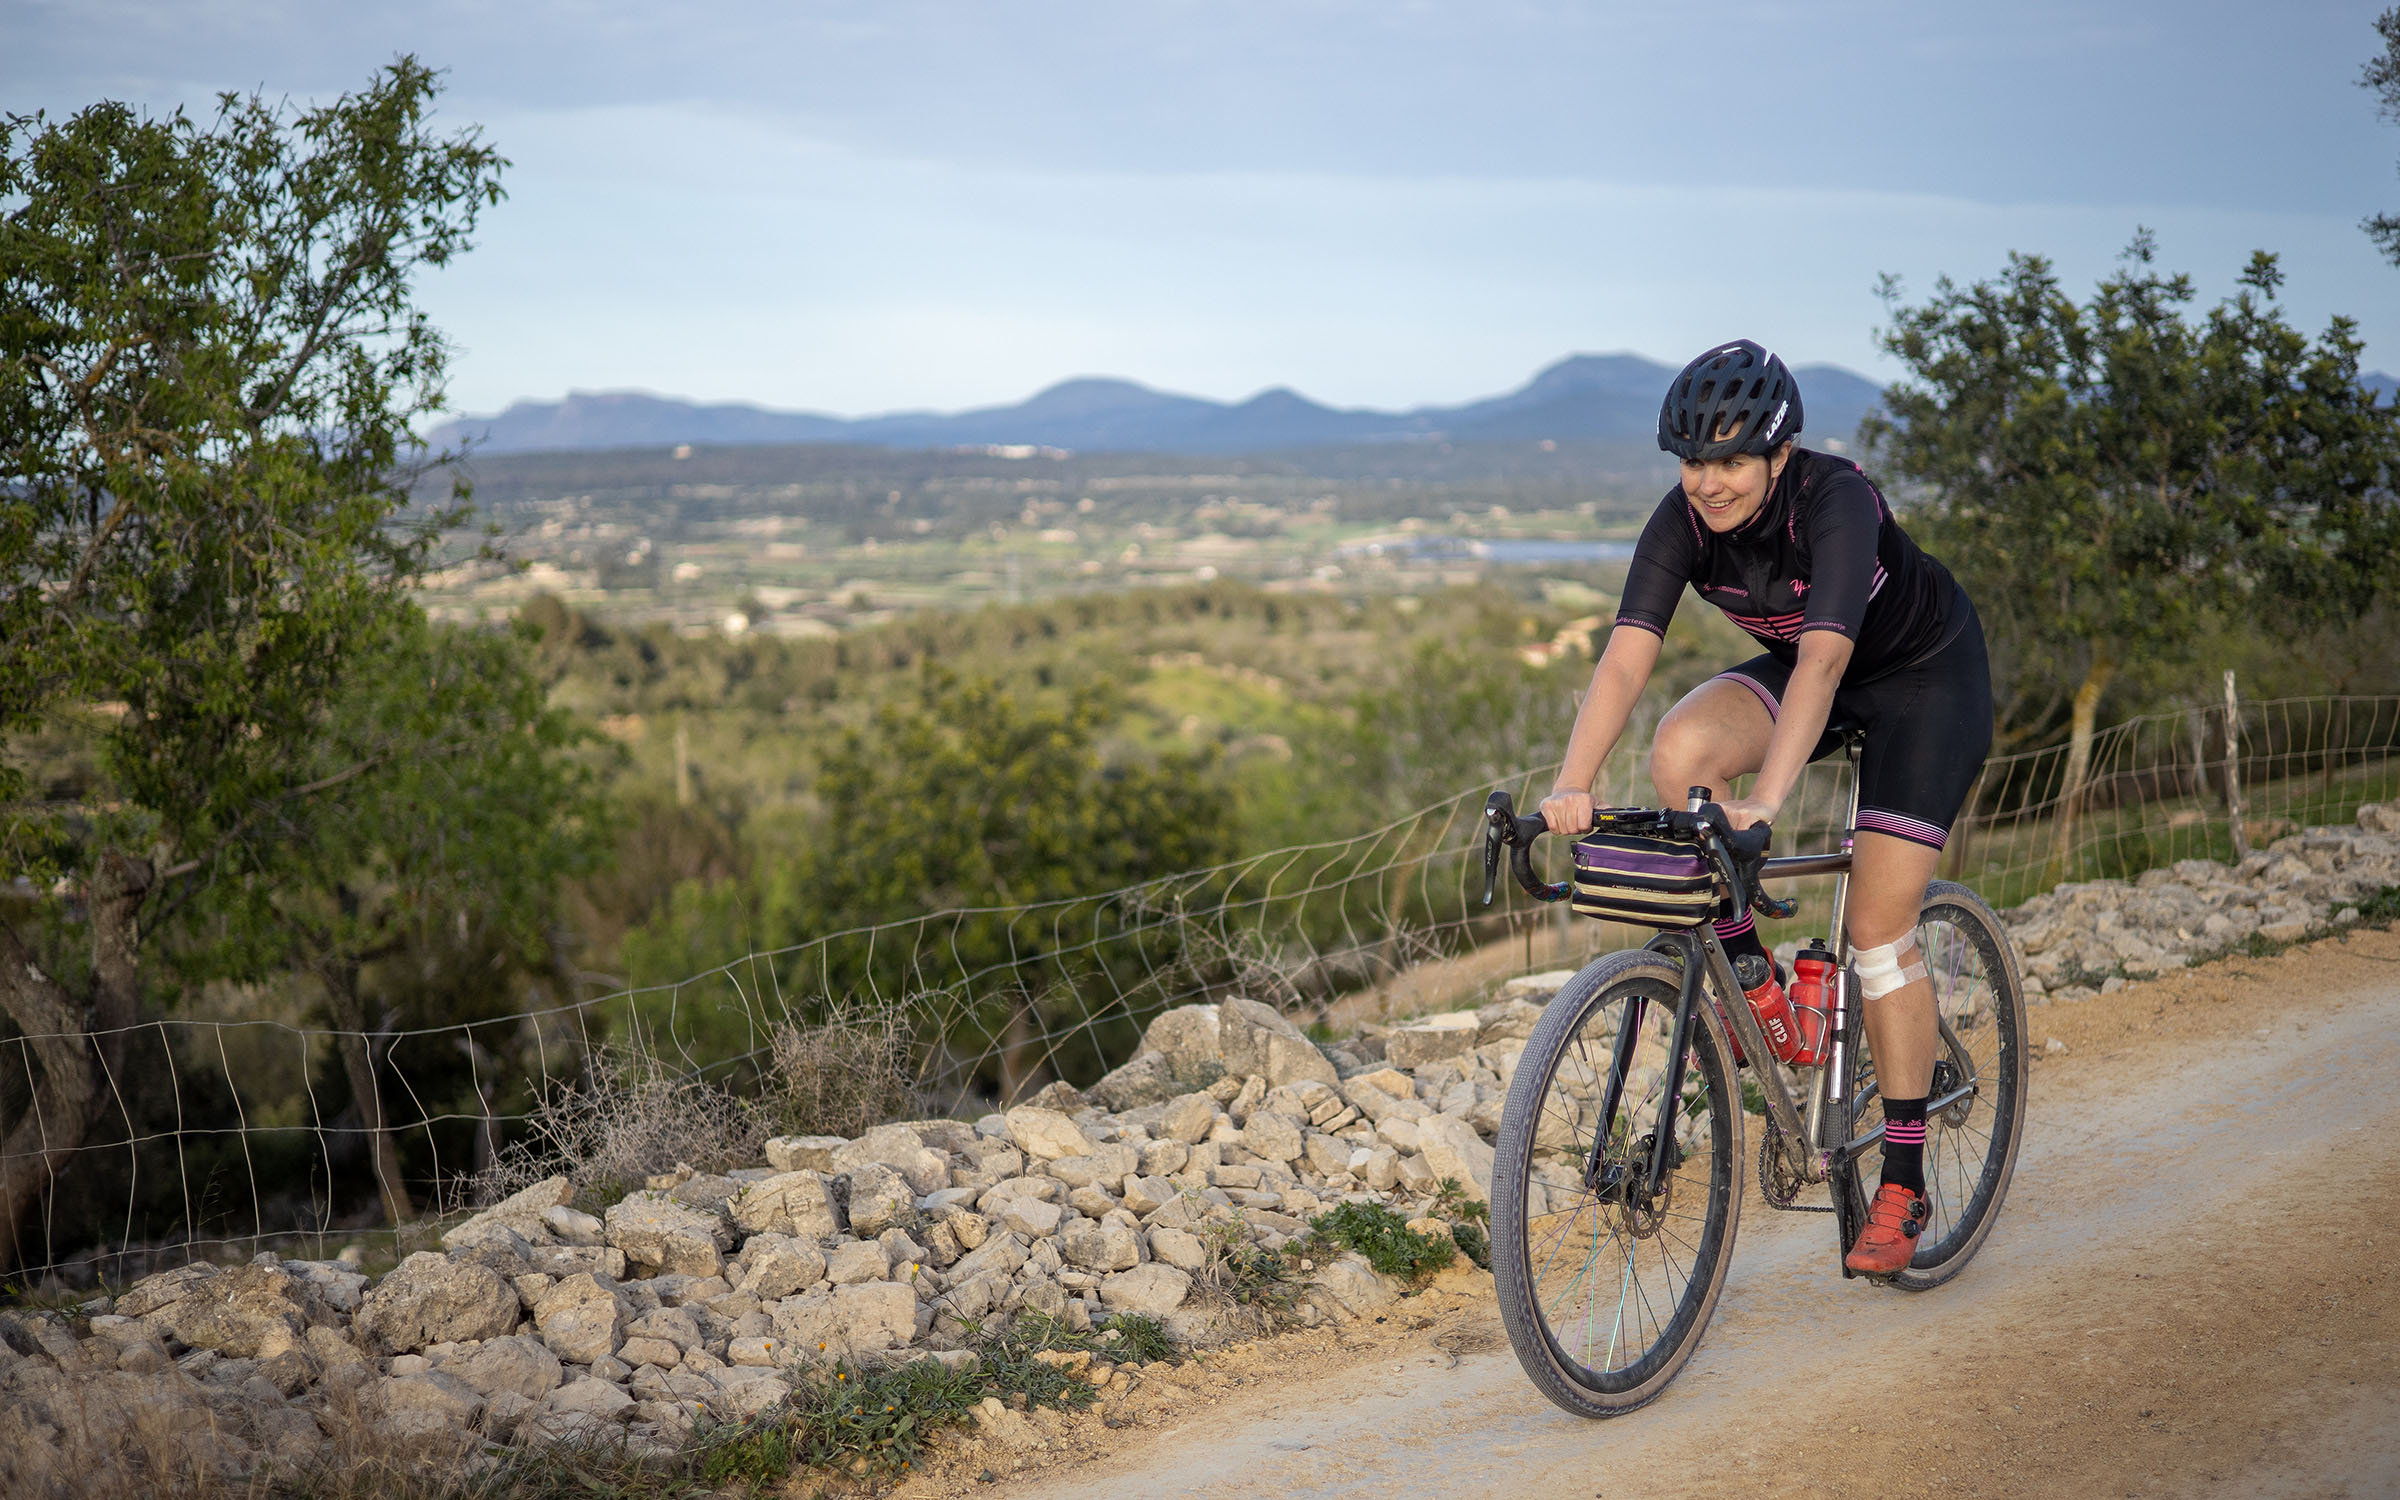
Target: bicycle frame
{"points": [[1813, 1144]]}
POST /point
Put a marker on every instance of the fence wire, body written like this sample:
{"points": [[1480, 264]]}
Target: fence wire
{"points": [[228, 1129]]}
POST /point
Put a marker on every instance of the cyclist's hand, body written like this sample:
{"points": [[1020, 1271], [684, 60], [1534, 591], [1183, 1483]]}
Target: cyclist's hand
{"points": [[1568, 812], [1744, 813]]}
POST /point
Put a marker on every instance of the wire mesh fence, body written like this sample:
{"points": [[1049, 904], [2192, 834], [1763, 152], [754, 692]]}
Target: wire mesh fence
{"points": [[226, 1129]]}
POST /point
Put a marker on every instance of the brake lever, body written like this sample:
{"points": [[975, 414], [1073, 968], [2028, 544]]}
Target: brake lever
{"points": [[1502, 826], [1499, 812]]}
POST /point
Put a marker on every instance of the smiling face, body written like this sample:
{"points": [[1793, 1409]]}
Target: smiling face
{"points": [[1729, 491]]}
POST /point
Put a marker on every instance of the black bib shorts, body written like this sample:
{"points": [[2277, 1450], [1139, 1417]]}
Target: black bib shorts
{"points": [[1928, 728]]}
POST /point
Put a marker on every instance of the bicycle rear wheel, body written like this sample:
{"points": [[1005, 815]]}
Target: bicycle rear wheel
{"points": [[1606, 1290], [1970, 1145]]}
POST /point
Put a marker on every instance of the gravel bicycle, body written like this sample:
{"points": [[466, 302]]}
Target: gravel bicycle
{"points": [[1617, 1178]]}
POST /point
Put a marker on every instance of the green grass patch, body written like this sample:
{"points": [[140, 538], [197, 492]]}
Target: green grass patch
{"points": [[2382, 907], [1452, 1201], [1243, 1273], [1383, 1238], [1473, 1241], [876, 1422]]}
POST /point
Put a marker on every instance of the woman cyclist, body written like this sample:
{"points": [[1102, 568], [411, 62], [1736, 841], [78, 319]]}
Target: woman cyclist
{"points": [[1862, 631]]}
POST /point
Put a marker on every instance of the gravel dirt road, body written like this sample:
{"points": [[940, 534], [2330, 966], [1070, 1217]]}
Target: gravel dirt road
{"points": [[2190, 1293]]}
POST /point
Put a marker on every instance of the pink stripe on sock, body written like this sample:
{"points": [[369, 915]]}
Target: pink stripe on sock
{"points": [[1727, 929], [1905, 1132]]}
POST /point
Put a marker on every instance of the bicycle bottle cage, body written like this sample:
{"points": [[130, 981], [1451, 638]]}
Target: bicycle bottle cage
{"points": [[1627, 871]]}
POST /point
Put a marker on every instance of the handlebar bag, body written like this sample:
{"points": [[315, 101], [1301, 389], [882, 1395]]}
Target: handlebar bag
{"points": [[1648, 882]]}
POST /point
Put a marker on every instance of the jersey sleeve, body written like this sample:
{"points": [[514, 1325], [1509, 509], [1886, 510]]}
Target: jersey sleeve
{"points": [[1664, 561], [1845, 528]]}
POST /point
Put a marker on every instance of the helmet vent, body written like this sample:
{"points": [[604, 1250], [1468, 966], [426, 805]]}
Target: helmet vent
{"points": [[1735, 399]]}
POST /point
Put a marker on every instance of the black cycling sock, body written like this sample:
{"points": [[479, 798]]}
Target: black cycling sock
{"points": [[1738, 932], [1904, 1143]]}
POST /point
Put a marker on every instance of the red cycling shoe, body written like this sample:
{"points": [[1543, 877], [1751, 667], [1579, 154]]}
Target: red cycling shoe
{"points": [[1894, 1220]]}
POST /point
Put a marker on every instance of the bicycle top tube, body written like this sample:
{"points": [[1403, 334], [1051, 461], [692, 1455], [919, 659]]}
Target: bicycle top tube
{"points": [[1794, 866]]}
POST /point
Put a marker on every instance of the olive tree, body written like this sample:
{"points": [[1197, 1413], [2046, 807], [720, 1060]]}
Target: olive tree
{"points": [[210, 362], [2114, 479]]}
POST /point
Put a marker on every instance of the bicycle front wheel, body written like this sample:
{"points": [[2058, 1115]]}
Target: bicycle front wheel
{"points": [[1606, 1288], [1980, 1066]]}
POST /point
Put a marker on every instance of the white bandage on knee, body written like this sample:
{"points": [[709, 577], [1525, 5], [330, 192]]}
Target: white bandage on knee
{"points": [[1880, 971]]}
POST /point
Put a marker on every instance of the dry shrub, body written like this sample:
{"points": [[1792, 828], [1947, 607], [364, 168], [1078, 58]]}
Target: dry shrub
{"points": [[628, 1120], [844, 1075]]}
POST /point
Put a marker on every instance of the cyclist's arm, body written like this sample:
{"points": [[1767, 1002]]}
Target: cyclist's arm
{"points": [[1617, 682], [1807, 704]]}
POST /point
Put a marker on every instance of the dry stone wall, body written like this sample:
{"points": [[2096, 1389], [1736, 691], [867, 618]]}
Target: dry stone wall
{"points": [[706, 1296]]}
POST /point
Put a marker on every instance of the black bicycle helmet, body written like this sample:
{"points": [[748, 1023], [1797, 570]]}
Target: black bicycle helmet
{"points": [[1736, 398]]}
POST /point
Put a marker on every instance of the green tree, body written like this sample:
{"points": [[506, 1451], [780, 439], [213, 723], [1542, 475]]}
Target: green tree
{"points": [[2381, 77], [2113, 480], [209, 364], [471, 809]]}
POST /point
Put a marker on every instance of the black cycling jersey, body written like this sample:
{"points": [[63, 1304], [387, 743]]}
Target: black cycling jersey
{"points": [[1824, 553]]}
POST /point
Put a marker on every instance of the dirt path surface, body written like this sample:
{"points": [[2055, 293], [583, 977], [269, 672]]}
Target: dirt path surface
{"points": [[2189, 1293]]}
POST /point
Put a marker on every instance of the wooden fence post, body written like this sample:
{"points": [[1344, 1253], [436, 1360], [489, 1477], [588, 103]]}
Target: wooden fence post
{"points": [[2233, 768]]}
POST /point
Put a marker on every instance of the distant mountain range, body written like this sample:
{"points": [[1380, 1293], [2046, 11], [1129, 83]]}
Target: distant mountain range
{"points": [[1587, 397]]}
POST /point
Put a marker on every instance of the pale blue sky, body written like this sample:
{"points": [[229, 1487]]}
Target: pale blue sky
{"points": [[862, 206]]}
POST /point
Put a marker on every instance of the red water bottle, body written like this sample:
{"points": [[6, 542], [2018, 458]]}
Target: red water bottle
{"points": [[1768, 1004], [1812, 1004]]}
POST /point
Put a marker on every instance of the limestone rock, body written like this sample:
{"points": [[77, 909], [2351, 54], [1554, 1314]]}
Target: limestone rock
{"points": [[793, 1203], [640, 1351], [1045, 1134], [151, 1293], [660, 1234], [1272, 1137], [1101, 1247], [804, 1153], [848, 1320], [1430, 1039], [1106, 1166], [521, 1212], [590, 1397], [580, 1320], [1146, 1195], [1191, 1039], [746, 1390], [897, 1147], [1257, 1039], [1189, 1118], [1148, 1079], [573, 1226], [1010, 1429], [1151, 1289], [879, 1198], [1512, 1019], [1030, 1216], [1179, 1248], [432, 1299], [525, 1366], [436, 1394], [1452, 1149], [1351, 1284], [249, 1312], [855, 1261], [776, 1265], [672, 1325]]}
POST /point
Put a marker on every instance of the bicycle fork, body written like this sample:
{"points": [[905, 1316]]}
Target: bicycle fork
{"points": [[1703, 963]]}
